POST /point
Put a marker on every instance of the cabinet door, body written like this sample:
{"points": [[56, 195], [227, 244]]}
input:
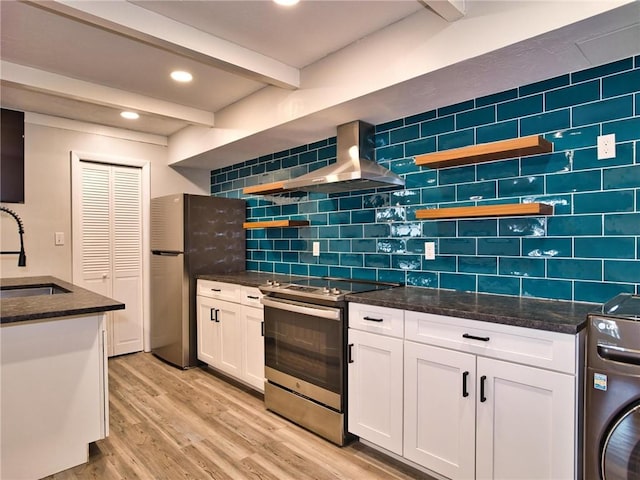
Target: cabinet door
{"points": [[207, 332], [439, 415], [525, 422], [254, 347], [228, 356], [375, 389]]}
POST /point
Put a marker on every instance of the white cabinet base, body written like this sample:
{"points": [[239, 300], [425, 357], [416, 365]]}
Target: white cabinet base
{"points": [[465, 399], [440, 409], [230, 337], [375, 389], [526, 424], [54, 394]]}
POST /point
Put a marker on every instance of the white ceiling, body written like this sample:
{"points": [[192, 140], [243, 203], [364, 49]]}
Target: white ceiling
{"points": [[52, 42], [89, 60]]}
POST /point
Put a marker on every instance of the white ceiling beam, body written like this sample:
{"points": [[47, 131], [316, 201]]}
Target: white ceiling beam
{"points": [[124, 18], [450, 10], [67, 87]]}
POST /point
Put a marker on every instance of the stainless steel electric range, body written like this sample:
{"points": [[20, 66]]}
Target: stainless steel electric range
{"points": [[305, 351]]}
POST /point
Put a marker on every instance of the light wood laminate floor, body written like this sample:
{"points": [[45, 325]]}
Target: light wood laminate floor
{"points": [[167, 423]]}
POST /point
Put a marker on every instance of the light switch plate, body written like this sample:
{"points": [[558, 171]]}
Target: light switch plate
{"points": [[59, 238], [316, 249]]}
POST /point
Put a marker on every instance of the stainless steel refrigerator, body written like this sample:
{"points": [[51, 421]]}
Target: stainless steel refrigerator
{"points": [[190, 235]]}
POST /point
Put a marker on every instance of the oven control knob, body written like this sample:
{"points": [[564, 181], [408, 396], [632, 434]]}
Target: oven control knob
{"points": [[325, 290], [275, 283], [335, 291]]}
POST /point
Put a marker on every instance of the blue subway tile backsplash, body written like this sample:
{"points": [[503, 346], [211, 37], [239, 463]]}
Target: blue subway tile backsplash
{"points": [[588, 249]]}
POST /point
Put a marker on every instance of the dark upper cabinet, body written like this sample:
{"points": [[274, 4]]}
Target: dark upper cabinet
{"points": [[11, 156]]}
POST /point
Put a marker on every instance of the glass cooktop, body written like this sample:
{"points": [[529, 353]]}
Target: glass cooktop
{"points": [[324, 287]]}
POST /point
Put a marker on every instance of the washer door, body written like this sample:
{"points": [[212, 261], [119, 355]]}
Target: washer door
{"points": [[621, 450]]}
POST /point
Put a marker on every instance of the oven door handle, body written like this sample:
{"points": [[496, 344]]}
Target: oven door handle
{"points": [[302, 308]]}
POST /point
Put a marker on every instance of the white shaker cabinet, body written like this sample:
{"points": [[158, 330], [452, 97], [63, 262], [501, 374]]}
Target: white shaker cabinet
{"points": [[375, 375], [375, 389], [525, 423], [220, 335], [512, 388], [439, 409], [230, 332], [253, 336], [479, 400]]}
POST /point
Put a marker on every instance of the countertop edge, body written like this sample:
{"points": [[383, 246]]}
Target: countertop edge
{"points": [[567, 317], [515, 321], [78, 301], [573, 314], [72, 312]]}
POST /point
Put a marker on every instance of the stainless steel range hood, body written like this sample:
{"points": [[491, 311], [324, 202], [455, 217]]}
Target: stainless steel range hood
{"points": [[355, 167]]}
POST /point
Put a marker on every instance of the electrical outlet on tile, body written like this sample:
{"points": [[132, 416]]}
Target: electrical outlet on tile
{"points": [[429, 250], [607, 146]]}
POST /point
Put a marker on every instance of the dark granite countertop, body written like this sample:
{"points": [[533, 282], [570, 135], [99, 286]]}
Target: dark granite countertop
{"points": [[76, 301], [249, 278], [553, 315]]}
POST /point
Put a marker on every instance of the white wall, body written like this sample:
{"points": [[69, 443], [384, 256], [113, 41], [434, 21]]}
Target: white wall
{"points": [[397, 71], [47, 206]]}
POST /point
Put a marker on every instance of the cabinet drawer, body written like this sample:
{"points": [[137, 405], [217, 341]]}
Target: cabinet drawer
{"points": [[219, 290], [539, 348], [382, 320], [250, 296]]}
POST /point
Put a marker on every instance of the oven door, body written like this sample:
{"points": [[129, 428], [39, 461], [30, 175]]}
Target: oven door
{"points": [[304, 349]]}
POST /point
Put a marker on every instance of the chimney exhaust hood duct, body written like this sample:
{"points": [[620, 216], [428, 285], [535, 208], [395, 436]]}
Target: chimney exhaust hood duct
{"points": [[355, 167]]}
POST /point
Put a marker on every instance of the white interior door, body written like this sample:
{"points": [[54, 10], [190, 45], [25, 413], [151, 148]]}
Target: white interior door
{"points": [[127, 259], [108, 246]]}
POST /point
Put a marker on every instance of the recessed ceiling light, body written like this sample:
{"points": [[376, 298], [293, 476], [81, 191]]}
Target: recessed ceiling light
{"points": [[130, 115], [181, 76], [286, 3]]}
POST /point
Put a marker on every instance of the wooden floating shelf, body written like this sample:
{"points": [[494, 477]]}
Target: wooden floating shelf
{"points": [[276, 224], [265, 189], [503, 210], [486, 152]]}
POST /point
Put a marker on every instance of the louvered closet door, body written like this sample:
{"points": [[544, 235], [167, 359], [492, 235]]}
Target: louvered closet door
{"points": [[127, 259], [111, 247], [95, 235]]}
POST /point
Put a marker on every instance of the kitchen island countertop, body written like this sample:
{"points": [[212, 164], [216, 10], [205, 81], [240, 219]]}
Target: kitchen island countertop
{"points": [[76, 301]]}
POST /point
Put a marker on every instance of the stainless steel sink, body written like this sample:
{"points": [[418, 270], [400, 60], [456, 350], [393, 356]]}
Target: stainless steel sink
{"points": [[31, 291]]}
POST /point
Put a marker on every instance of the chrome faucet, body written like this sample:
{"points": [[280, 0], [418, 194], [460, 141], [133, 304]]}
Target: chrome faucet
{"points": [[22, 258]]}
